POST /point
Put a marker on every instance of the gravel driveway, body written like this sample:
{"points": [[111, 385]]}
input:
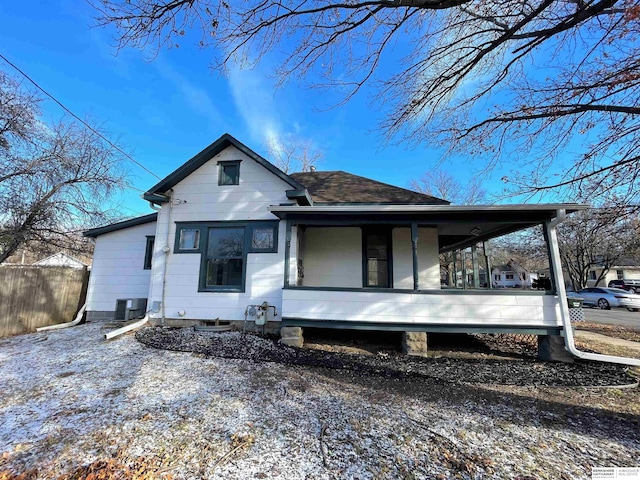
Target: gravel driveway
{"points": [[72, 405]]}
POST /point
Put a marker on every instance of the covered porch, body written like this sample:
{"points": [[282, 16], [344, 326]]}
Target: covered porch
{"points": [[378, 267]]}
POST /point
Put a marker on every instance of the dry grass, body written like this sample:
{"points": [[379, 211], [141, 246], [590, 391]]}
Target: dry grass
{"points": [[617, 331]]}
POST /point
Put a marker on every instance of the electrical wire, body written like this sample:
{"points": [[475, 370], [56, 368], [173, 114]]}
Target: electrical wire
{"points": [[78, 118]]}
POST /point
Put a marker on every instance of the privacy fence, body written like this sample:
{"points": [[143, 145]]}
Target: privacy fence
{"points": [[35, 296]]}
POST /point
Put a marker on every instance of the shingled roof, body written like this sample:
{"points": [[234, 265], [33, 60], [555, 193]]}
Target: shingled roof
{"points": [[338, 187]]}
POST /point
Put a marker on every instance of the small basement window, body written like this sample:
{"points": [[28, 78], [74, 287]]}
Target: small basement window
{"points": [[229, 173]]}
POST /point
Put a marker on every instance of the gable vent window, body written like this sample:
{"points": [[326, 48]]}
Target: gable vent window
{"points": [[229, 173]]}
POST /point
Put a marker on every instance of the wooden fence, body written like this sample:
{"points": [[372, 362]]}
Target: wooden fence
{"points": [[35, 296]]}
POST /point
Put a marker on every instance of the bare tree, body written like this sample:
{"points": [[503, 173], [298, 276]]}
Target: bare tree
{"points": [[514, 81], [54, 179], [596, 240], [18, 112], [443, 185], [294, 154]]}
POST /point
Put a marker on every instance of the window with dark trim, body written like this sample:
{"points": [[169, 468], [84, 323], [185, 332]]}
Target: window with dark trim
{"points": [[225, 261], [187, 240], [229, 172], [148, 252], [377, 257], [224, 247], [264, 238]]}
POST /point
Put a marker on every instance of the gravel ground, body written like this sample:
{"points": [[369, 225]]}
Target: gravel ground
{"points": [[73, 406], [524, 371]]}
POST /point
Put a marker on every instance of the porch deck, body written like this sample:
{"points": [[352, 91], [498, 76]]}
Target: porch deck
{"points": [[470, 311]]}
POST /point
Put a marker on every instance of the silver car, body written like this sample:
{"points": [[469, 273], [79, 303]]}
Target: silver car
{"points": [[605, 298]]}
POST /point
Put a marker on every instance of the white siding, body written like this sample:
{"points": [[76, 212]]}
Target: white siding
{"points": [[117, 270], [199, 198], [428, 259], [333, 257], [452, 309]]}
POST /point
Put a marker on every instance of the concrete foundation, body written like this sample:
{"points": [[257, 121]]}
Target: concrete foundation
{"points": [[551, 349], [292, 336], [100, 316], [414, 344], [237, 325]]}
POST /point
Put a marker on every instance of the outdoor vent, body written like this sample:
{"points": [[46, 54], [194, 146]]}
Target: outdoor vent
{"points": [[129, 308]]}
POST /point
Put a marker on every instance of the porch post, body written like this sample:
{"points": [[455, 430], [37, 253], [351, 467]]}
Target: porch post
{"points": [[552, 267], [463, 258], [476, 266], [455, 269], [287, 252], [485, 248], [414, 250]]}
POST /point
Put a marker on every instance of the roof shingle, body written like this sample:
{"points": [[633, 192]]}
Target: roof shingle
{"points": [[338, 187]]}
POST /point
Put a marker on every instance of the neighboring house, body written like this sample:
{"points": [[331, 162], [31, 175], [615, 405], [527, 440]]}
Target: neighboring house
{"points": [[626, 268], [512, 275], [61, 259], [326, 249]]}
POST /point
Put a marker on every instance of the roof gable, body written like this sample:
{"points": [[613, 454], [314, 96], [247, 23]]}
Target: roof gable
{"points": [[338, 187], [154, 194]]}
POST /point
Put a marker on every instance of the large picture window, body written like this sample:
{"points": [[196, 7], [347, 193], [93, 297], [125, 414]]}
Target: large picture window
{"points": [[225, 262]]}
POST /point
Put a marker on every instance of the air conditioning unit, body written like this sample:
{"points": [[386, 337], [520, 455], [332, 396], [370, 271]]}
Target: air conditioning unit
{"points": [[129, 308]]}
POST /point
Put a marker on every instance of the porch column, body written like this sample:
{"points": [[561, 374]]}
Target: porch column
{"points": [[476, 266], [287, 252], [463, 258], [414, 251], [485, 249]]}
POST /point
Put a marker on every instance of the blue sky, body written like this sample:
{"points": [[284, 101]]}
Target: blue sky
{"points": [[166, 110]]}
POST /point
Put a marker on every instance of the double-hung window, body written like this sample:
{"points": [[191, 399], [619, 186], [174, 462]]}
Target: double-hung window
{"points": [[377, 258]]}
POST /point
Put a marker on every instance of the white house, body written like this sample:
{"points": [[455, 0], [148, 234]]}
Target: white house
{"points": [[626, 268], [61, 259], [322, 249], [512, 275]]}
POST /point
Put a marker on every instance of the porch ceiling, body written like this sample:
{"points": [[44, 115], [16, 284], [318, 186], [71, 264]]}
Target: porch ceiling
{"points": [[458, 226]]}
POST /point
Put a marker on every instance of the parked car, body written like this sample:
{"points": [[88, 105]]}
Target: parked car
{"points": [[630, 285], [606, 298]]}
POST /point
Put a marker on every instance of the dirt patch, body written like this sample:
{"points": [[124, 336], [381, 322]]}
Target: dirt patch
{"points": [[434, 370]]}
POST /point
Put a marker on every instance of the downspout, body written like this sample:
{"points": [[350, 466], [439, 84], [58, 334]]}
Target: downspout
{"points": [[166, 249], [59, 326], [562, 296], [127, 328]]}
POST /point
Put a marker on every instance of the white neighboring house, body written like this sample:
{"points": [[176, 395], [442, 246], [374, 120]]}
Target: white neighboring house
{"points": [[61, 259], [325, 249], [512, 275], [627, 269]]}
